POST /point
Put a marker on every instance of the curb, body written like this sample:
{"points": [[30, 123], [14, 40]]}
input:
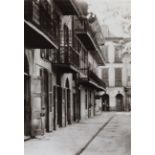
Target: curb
{"points": [[93, 137]]}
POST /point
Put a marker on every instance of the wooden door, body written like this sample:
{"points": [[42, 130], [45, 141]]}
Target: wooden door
{"points": [[68, 107], [27, 106], [55, 99]]}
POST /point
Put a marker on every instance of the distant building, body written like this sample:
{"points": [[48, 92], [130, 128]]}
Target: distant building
{"points": [[117, 74]]}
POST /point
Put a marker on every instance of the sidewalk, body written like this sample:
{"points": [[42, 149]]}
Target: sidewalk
{"points": [[69, 140]]}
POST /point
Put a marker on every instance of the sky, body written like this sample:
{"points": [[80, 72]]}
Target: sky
{"points": [[112, 13]]}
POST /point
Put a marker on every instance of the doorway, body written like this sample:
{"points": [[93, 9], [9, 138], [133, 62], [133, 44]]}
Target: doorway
{"points": [[89, 104], [119, 102], [27, 104], [68, 102], [105, 102]]}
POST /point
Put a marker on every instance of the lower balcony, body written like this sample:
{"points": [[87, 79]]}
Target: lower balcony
{"points": [[92, 80], [66, 60], [95, 78]]}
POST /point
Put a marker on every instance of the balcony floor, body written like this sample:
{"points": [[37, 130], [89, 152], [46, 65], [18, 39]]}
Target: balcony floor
{"points": [[35, 38], [90, 83], [65, 68]]}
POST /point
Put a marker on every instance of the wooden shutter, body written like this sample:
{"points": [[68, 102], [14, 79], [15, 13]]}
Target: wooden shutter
{"points": [[63, 106], [50, 93], [105, 76], [106, 54], [55, 100], [118, 77], [117, 55], [59, 109], [50, 101]]}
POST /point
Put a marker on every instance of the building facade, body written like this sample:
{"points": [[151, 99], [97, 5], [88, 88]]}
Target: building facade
{"points": [[117, 74], [61, 59]]}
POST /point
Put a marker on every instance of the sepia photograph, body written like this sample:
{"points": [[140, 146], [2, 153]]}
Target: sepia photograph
{"points": [[77, 77]]}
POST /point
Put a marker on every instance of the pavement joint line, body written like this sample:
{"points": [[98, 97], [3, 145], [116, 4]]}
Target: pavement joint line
{"points": [[100, 129]]}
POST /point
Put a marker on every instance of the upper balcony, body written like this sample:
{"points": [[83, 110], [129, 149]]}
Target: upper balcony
{"points": [[85, 33], [40, 30], [68, 7], [66, 59], [87, 36]]}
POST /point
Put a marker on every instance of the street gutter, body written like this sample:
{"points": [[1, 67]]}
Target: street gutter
{"points": [[100, 129]]}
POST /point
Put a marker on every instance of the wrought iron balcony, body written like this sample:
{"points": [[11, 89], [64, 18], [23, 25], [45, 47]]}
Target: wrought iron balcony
{"points": [[40, 29], [91, 79], [66, 59], [94, 77], [85, 33]]}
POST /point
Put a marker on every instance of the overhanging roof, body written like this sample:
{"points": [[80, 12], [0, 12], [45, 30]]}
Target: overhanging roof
{"points": [[68, 7]]}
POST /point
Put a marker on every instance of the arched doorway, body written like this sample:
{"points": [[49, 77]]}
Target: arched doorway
{"points": [[119, 102], [68, 102], [105, 102], [27, 104]]}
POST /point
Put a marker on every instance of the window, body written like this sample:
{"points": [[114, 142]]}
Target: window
{"points": [[118, 77], [106, 54], [118, 55], [105, 76], [46, 54], [56, 26], [66, 36]]}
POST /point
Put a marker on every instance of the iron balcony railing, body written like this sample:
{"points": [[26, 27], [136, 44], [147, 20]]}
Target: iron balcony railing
{"points": [[94, 77], [84, 27], [66, 55], [91, 75], [39, 14], [86, 34]]}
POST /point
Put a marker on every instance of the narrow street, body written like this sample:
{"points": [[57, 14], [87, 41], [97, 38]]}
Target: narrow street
{"points": [[105, 134], [114, 139]]}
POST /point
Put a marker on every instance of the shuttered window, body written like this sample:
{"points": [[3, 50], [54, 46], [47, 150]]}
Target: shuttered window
{"points": [[50, 93], [106, 54], [118, 77], [105, 76], [66, 36], [118, 55]]}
